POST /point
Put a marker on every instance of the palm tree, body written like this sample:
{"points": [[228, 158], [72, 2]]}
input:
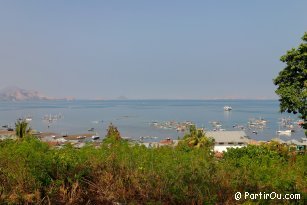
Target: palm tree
{"points": [[197, 138], [22, 128]]}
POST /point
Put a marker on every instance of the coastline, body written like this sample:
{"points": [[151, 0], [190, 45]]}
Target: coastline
{"points": [[133, 117]]}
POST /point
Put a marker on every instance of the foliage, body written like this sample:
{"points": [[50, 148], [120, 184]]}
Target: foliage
{"points": [[292, 81], [22, 128], [197, 138], [113, 133], [257, 169], [32, 172], [281, 149]]}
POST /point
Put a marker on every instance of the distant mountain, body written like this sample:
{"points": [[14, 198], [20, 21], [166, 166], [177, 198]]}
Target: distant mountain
{"points": [[122, 98], [18, 94]]}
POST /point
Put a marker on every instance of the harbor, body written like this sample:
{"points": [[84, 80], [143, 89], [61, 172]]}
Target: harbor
{"points": [[227, 133], [148, 120]]}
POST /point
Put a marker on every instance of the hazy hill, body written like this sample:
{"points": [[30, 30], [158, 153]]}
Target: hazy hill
{"points": [[18, 94]]}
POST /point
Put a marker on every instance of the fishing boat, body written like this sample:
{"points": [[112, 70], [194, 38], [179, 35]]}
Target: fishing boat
{"points": [[300, 123], [28, 119], [284, 132], [95, 137], [52, 118], [227, 108]]}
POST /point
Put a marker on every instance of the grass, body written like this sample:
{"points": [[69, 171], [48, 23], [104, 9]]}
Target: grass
{"points": [[31, 172]]}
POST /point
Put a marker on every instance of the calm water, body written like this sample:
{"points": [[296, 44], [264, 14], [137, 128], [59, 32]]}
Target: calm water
{"points": [[133, 117]]}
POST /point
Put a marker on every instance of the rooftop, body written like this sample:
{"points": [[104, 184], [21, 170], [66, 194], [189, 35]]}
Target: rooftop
{"points": [[228, 136]]}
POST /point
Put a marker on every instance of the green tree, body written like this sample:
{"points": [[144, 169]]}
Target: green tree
{"points": [[197, 138], [22, 128], [292, 82], [112, 132]]}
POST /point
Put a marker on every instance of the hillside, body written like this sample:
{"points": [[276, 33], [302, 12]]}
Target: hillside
{"points": [[18, 94]]}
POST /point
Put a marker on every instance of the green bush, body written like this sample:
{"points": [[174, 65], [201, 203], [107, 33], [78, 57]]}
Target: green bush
{"points": [[33, 172]]}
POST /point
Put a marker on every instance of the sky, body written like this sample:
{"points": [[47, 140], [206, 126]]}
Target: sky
{"points": [[148, 49]]}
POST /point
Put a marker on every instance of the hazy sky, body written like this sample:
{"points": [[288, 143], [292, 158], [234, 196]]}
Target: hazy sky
{"points": [[148, 49]]}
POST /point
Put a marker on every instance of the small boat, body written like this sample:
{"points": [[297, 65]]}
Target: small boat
{"points": [[28, 119], [95, 137], [227, 108], [91, 130], [300, 122], [148, 137], [284, 132]]}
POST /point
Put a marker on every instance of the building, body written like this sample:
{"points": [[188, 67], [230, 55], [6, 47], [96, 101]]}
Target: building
{"points": [[300, 146], [228, 139]]}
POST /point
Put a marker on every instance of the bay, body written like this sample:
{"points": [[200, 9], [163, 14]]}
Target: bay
{"points": [[133, 117]]}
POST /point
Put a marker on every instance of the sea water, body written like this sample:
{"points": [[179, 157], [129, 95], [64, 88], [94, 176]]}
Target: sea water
{"points": [[134, 117]]}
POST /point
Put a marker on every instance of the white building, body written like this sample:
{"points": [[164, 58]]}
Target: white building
{"points": [[228, 139]]}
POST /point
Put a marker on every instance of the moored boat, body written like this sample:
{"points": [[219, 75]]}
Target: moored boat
{"points": [[95, 137], [227, 108], [285, 132]]}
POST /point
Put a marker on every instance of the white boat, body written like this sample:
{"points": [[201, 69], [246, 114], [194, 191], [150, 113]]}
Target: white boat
{"points": [[284, 132], [52, 118], [28, 119], [227, 108], [95, 137]]}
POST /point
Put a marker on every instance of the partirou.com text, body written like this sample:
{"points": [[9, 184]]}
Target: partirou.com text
{"points": [[264, 195]]}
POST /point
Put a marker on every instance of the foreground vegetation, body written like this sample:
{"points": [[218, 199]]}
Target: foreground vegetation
{"points": [[33, 172]]}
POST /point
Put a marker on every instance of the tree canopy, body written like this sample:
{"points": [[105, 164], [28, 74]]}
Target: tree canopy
{"points": [[197, 138], [292, 81], [112, 132], [22, 128]]}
